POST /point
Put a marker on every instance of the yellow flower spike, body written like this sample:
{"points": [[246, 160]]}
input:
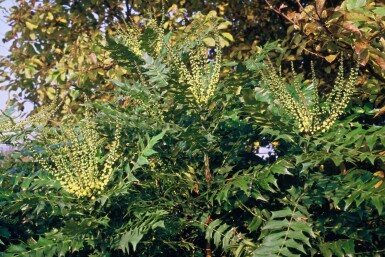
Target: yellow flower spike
{"points": [[202, 76], [81, 148], [309, 118]]}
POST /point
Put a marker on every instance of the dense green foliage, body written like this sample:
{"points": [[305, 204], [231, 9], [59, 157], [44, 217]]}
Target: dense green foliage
{"points": [[165, 163]]}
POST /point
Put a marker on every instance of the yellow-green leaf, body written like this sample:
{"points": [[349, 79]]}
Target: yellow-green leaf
{"points": [[224, 25], [211, 14], [380, 11], [223, 42], [30, 26], [32, 36], [209, 41], [228, 36], [331, 58], [61, 20], [27, 73], [50, 16]]}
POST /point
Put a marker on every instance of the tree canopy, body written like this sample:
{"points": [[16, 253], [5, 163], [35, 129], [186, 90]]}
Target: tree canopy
{"points": [[317, 30]]}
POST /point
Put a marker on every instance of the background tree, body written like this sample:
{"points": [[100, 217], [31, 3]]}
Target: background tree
{"points": [[317, 31]]}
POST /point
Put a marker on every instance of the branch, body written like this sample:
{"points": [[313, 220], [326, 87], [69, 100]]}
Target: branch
{"points": [[311, 52], [128, 9]]}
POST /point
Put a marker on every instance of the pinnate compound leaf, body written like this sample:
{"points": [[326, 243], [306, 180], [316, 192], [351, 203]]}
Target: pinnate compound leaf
{"points": [[286, 233], [338, 248], [224, 235]]}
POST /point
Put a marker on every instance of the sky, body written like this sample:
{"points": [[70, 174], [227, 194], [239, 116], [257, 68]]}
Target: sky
{"points": [[4, 51], [4, 46]]}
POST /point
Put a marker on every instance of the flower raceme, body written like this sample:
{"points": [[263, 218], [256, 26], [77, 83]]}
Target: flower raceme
{"points": [[198, 72], [8, 124], [204, 76], [73, 156], [316, 117]]}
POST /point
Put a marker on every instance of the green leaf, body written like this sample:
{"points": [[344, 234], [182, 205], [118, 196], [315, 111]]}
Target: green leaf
{"points": [[156, 138], [62, 248], [132, 237], [378, 202], [16, 249], [158, 224], [230, 64], [219, 234], [295, 245], [379, 11], [337, 159], [371, 141], [281, 167], [303, 227], [338, 248], [355, 4], [281, 213], [211, 227], [276, 224], [148, 152]]}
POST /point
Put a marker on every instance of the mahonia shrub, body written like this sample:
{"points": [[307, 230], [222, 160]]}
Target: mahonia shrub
{"points": [[170, 165]]}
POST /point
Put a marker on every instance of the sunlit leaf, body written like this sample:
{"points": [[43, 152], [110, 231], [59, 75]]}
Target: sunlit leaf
{"points": [[30, 25], [331, 58], [209, 41]]}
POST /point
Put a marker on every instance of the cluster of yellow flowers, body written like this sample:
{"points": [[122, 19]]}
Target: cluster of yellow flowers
{"points": [[73, 157], [159, 41], [204, 76], [315, 118], [131, 34], [199, 73], [8, 124]]}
